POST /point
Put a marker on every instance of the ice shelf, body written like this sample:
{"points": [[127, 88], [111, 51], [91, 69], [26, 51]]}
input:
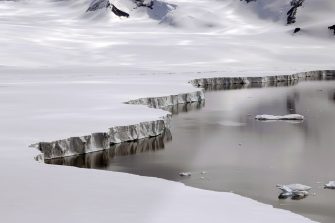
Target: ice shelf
{"points": [[118, 134]]}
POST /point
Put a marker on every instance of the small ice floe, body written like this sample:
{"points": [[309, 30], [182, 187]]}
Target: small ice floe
{"points": [[330, 185], [295, 191], [293, 117], [185, 174]]}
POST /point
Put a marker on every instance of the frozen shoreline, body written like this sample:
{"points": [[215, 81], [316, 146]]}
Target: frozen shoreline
{"points": [[76, 145], [37, 116]]}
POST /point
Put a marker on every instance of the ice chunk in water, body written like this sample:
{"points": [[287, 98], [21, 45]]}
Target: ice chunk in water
{"points": [[295, 191], [185, 174], [330, 185]]}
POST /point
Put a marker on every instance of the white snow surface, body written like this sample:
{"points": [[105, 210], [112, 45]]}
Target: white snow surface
{"points": [[65, 72], [178, 35]]}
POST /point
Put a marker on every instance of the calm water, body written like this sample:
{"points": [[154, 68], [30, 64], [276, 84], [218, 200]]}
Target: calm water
{"points": [[240, 154]]}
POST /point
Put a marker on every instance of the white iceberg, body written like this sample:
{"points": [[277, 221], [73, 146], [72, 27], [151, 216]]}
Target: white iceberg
{"points": [[295, 191], [293, 187], [330, 185], [185, 174], [280, 117]]}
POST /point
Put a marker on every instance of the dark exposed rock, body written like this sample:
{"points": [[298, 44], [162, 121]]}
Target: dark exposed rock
{"points": [[98, 4], [143, 3], [332, 28], [296, 30], [292, 13], [103, 4], [118, 12], [249, 0]]}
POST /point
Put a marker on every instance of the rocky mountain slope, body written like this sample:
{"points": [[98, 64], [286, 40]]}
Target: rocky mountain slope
{"points": [[276, 10]]}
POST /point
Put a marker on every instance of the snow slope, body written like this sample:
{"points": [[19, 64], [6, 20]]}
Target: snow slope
{"points": [[202, 35], [65, 72]]}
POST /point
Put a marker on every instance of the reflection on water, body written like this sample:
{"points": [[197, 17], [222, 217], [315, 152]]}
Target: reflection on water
{"points": [[182, 108], [264, 84], [241, 154], [250, 85]]}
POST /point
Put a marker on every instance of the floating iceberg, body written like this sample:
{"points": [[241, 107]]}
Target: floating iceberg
{"points": [[280, 117], [295, 191], [185, 174], [330, 185]]}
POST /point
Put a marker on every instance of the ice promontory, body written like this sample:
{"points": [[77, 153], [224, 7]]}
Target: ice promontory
{"points": [[104, 140], [171, 100], [118, 134]]}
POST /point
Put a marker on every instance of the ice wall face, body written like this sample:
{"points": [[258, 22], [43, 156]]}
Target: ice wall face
{"points": [[101, 141], [103, 158], [228, 81], [171, 100]]}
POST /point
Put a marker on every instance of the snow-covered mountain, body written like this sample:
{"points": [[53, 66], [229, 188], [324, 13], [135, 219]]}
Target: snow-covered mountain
{"points": [[167, 35], [276, 10], [284, 11]]}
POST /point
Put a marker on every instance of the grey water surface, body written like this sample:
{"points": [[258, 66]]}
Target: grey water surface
{"points": [[237, 152]]}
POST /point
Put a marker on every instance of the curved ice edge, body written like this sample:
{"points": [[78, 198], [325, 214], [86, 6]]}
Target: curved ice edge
{"points": [[118, 134], [103, 140]]}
